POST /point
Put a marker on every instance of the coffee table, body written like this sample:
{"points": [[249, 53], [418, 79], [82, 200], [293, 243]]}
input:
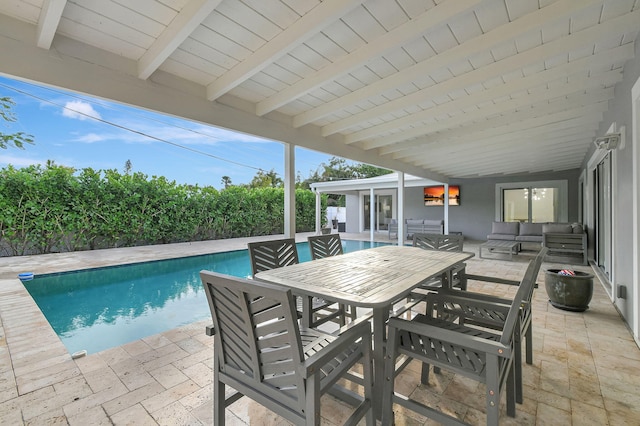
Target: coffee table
{"points": [[500, 247]]}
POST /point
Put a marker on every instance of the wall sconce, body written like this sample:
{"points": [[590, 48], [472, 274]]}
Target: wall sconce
{"points": [[609, 141]]}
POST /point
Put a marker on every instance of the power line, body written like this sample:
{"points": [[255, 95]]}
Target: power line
{"points": [[101, 120]]}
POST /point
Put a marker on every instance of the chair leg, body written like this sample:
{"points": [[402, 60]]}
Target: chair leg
{"points": [[462, 277], [312, 409], [493, 390], [528, 335], [389, 379], [219, 403], [517, 361], [424, 374], [367, 375], [511, 392]]}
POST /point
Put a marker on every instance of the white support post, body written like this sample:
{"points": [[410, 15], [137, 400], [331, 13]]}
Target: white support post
{"points": [[372, 213], [446, 208], [318, 213], [401, 234], [289, 191]]}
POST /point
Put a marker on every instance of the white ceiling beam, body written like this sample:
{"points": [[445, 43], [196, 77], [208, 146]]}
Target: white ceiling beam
{"points": [[470, 146], [373, 49], [563, 159], [518, 161], [578, 85], [473, 150], [582, 66], [572, 127], [589, 36], [323, 15], [515, 120], [483, 132], [185, 22], [580, 116], [544, 147], [48, 22], [486, 41]]}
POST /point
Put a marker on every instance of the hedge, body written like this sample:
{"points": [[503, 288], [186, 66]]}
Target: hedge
{"points": [[45, 209]]}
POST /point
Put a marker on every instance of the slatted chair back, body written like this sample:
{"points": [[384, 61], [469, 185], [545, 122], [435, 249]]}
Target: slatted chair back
{"points": [[261, 352], [267, 255], [257, 340], [438, 242], [325, 245], [443, 243]]}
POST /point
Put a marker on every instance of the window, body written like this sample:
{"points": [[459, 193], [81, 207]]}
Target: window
{"points": [[532, 202], [529, 204]]}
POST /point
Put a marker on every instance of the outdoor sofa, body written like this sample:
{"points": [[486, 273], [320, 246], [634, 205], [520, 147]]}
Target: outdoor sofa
{"points": [[418, 226], [559, 238]]}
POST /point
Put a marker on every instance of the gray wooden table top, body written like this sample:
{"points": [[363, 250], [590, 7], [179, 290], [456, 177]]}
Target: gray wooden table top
{"points": [[368, 278]]}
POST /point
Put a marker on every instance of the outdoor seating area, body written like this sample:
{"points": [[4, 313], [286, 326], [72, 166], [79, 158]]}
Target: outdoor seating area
{"points": [[582, 371]]}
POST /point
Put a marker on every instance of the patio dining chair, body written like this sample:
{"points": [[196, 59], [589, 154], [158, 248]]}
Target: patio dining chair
{"points": [[456, 305], [484, 355], [443, 243], [272, 254], [262, 353], [328, 245]]}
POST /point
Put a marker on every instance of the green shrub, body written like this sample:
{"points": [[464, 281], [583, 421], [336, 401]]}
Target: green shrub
{"points": [[51, 208]]}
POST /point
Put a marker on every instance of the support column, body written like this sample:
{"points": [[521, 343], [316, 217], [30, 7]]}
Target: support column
{"points": [[401, 231], [372, 213], [289, 191], [318, 213], [446, 209]]}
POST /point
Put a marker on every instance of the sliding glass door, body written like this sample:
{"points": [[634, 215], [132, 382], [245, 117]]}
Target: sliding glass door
{"points": [[383, 209], [530, 204], [602, 216]]}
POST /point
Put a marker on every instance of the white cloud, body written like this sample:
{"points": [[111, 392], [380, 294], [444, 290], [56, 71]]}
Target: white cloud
{"points": [[79, 110], [91, 138], [18, 161]]}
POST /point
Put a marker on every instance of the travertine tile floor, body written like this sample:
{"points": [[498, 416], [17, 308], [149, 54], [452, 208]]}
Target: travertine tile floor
{"points": [[586, 365]]}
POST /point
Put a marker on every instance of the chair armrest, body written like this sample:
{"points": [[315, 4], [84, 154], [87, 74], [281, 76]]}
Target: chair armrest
{"points": [[474, 295], [468, 310], [470, 302], [358, 329], [455, 338], [492, 279]]}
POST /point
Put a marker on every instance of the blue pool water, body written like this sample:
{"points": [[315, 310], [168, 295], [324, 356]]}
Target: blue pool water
{"points": [[97, 309]]}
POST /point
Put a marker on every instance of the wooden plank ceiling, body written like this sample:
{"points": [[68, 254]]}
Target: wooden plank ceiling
{"points": [[455, 88]]}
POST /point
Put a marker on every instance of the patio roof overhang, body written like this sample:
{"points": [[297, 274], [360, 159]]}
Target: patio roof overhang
{"points": [[435, 89], [388, 181]]}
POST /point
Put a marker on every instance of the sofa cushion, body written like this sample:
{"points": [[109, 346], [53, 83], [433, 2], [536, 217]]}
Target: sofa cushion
{"points": [[414, 221], [510, 228], [577, 228], [529, 238], [433, 222], [506, 237], [557, 228], [531, 229]]}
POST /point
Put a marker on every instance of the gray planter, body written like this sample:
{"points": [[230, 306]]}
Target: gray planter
{"points": [[571, 293]]}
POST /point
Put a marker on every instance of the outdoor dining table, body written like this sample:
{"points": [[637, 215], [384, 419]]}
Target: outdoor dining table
{"points": [[375, 278]]}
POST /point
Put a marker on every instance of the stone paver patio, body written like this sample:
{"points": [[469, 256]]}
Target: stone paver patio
{"points": [[585, 367]]}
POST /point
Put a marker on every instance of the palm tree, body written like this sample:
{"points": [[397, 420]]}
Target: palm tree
{"points": [[226, 181]]}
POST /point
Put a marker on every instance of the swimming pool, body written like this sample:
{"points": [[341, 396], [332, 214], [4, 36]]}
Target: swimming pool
{"points": [[97, 309]]}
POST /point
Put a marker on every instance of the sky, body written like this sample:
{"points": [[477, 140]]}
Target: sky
{"points": [[79, 131]]}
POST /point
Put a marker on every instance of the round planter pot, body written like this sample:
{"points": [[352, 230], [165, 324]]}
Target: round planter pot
{"points": [[569, 292]]}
